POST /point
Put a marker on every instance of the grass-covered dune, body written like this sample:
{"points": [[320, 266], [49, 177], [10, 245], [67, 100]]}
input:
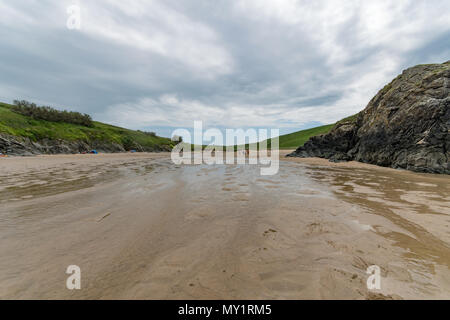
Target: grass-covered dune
{"points": [[25, 128]]}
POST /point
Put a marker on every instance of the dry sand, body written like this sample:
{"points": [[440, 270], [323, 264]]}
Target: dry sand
{"points": [[140, 227]]}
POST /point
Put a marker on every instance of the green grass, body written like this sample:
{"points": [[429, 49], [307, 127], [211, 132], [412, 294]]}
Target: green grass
{"points": [[18, 125], [350, 119], [297, 139]]}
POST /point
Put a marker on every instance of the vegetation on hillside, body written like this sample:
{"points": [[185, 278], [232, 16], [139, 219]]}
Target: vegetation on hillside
{"points": [[35, 128], [30, 109], [16, 124], [296, 139], [350, 119], [292, 140]]}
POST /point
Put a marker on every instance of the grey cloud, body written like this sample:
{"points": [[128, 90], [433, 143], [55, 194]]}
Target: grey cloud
{"points": [[164, 64]]}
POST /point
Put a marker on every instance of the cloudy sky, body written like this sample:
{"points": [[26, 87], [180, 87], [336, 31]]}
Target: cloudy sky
{"points": [[159, 65]]}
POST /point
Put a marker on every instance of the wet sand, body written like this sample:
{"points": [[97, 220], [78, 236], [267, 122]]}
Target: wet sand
{"points": [[140, 227]]}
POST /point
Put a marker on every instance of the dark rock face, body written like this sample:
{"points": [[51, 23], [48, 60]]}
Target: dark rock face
{"points": [[406, 125], [18, 146]]}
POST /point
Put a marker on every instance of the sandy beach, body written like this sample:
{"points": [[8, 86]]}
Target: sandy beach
{"points": [[141, 227]]}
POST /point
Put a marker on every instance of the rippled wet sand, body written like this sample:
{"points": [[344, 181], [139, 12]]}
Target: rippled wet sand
{"points": [[141, 227]]}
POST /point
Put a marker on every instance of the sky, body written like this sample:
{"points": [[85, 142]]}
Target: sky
{"points": [[161, 65]]}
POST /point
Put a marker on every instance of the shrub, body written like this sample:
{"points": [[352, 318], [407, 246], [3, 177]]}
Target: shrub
{"points": [[177, 139], [128, 143], [151, 134], [50, 114]]}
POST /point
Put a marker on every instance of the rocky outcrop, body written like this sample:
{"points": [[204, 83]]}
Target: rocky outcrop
{"points": [[21, 146], [406, 125]]}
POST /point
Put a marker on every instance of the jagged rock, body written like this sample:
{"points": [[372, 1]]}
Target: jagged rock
{"points": [[406, 125], [21, 146]]}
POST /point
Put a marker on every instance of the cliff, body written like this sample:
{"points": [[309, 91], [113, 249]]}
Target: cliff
{"points": [[406, 125]]}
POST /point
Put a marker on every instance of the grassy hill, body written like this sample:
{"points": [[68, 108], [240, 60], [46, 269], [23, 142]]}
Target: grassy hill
{"points": [[297, 139], [15, 124]]}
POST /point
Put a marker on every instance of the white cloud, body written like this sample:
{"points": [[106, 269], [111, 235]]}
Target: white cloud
{"points": [[155, 27], [284, 63]]}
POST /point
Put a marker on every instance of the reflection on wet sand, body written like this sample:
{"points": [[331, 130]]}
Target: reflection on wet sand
{"points": [[418, 203], [141, 227]]}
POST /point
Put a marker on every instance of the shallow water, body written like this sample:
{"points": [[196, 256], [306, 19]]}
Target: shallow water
{"points": [[141, 227]]}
